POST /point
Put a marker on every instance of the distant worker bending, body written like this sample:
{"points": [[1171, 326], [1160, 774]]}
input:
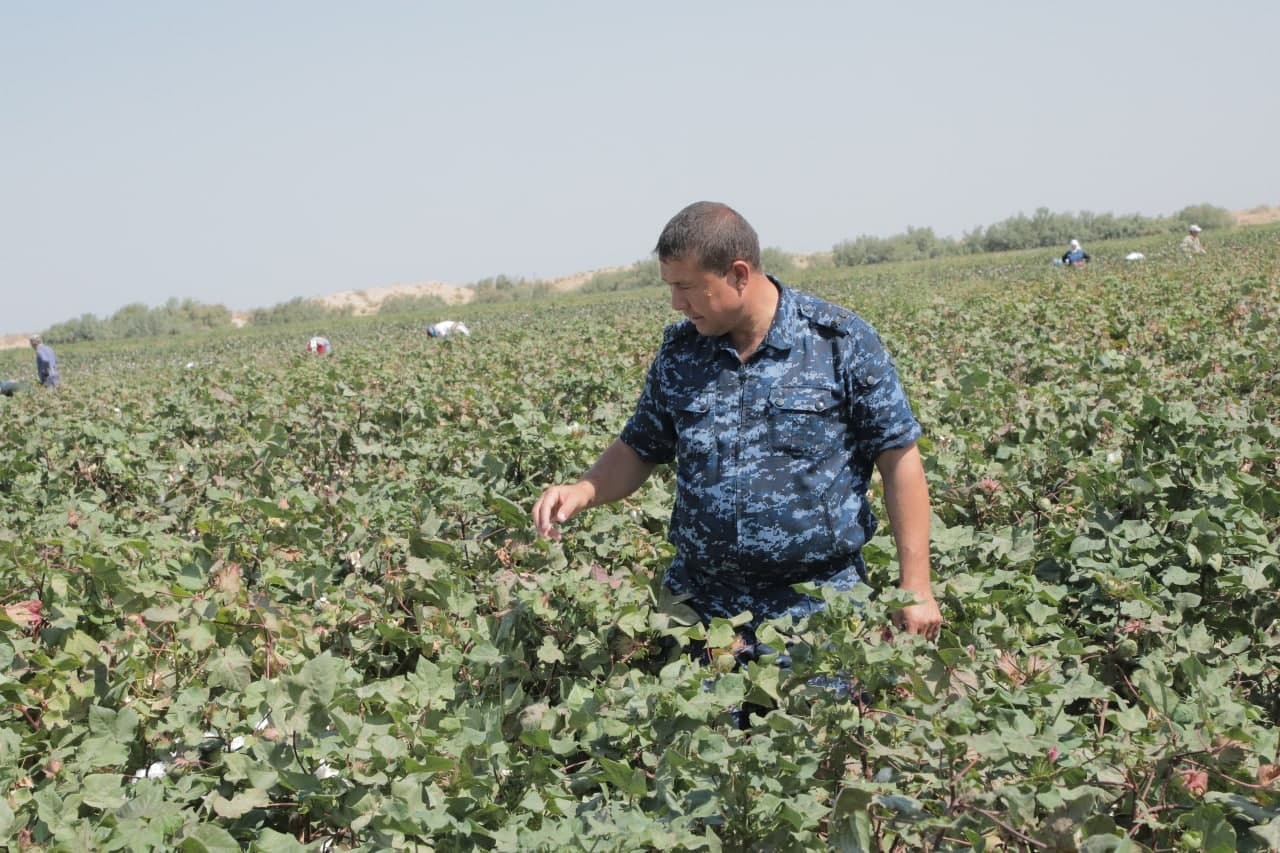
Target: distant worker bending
{"points": [[445, 328], [1190, 244], [46, 363], [1075, 256]]}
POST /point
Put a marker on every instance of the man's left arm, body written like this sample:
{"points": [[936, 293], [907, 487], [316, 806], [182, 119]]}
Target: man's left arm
{"points": [[906, 497]]}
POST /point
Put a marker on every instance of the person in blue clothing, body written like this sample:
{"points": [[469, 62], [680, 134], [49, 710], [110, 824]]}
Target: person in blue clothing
{"points": [[1075, 256], [775, 406], [46, 363]]}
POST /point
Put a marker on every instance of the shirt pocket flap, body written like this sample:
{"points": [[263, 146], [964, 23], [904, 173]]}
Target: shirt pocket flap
{"points": [[803, 398]]}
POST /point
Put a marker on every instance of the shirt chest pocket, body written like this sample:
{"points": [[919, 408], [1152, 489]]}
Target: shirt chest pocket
{"points": [[805, 420], [695, 426]]}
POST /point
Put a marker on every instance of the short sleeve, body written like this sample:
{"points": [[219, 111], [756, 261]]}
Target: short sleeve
{"points": [[651, 431], [881, 414]]}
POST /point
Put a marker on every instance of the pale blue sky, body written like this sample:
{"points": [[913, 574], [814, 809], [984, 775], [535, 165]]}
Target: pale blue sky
{"points": [[249, 152]]}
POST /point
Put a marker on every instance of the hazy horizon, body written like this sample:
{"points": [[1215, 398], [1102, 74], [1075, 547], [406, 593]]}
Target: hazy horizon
{"points": [[246, 155]]}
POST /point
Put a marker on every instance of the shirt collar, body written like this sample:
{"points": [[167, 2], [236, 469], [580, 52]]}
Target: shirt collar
{"points": [[781, 334]]}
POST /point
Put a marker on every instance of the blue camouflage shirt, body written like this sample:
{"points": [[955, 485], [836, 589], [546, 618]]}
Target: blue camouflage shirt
{"points": [[773, 457]]}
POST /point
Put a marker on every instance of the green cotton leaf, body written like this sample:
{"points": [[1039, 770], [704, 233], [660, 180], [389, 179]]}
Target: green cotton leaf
{"points": [[6, 819], [533, 803], [270, 841], [549, 652], [510, 513], [764, 680], [209, 838], [103, 791], [230, 668], [196, 637], [1216, 834], [1041, 614], [721, 633], [1085, 545], [162, 615], [320, 675], [433, 549], [1196, 639], [1131, 719], [850, 823], [1155, 693], [1178, 576], [485, 653], [624, 778], [241, 803], [433, 764], [1254, 579], [1269, 833], [118, 725], [908, 807]]}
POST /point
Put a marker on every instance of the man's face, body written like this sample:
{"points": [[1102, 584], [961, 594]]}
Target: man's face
{"points": [[713, 302]]}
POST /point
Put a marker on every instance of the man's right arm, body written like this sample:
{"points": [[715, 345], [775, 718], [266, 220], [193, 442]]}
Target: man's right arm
{"points": [[617, 473]]}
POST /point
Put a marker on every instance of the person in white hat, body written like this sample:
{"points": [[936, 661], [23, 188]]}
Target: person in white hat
{"points": [[445, 328], [1075, 256], [1190, 244], [46, 363]]}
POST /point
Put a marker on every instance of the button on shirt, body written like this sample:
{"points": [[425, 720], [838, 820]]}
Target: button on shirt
{"points": [[773, 456]]}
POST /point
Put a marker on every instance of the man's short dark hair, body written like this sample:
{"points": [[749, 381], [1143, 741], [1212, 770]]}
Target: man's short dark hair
{"points": [[714, 234]]}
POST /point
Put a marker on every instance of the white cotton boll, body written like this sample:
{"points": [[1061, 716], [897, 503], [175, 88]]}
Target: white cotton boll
{"points": [[1114, 457], [155, 771], [324, 771], [236, 744], [263, 723]]}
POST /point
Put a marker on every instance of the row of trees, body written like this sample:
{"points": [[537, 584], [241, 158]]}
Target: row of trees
{"points": [[175, 317], [1041, 229]]}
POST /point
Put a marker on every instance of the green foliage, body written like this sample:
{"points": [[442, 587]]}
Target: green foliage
{"points": [[505, 289], [1042, 229], [640, 274], [916, 244], [1205, 215], [175, 317], [278, 602], [296, 311], [406, 304]]}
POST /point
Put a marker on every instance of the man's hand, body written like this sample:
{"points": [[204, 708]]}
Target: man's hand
{"points": [[617, 473], [923, 618], [557, 505]]}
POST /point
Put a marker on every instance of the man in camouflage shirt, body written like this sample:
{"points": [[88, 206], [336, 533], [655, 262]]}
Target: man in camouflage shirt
{"points": [[775, 405]]}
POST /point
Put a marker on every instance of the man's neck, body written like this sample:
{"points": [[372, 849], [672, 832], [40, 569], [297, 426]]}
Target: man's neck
{"points": [[762, 305]]}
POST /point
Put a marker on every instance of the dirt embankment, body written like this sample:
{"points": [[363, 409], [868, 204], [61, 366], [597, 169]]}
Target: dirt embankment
{"points": [[1260, 215]]}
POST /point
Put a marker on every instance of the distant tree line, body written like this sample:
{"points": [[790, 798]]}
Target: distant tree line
{"points": [[180, 317], [175, 317], [297, 310], [1041, 229]]}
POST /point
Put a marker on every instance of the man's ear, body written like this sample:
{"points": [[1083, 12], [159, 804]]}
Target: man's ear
{"points": [[739, 274]]}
